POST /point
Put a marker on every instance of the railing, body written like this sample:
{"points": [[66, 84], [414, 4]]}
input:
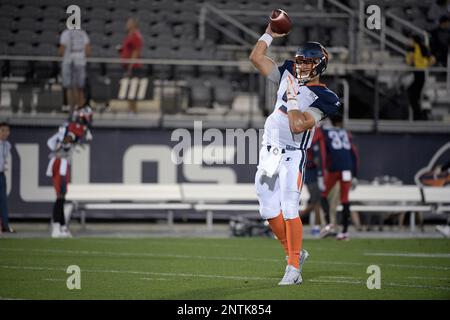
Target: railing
{"points": [[253, 105]]}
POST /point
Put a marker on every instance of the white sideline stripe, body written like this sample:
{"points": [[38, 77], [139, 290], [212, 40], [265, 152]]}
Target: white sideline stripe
{"points": [[191, 275], [393, 284], [414, 255], [168, 243], [406, 266], [5, 298], [389, 284], [128, 254]]}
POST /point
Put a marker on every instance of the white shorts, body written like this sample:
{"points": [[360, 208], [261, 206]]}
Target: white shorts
{"points": [[73, 75], [281, 192]]}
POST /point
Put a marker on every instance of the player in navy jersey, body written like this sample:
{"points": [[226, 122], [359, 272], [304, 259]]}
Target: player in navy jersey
{"points": [[341, 163], [302, 101]]}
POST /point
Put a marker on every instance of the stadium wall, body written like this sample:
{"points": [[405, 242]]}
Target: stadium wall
{"points": [[144, 156]]}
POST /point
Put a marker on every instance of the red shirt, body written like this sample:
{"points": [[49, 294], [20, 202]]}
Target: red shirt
{"points": [[132, 42]]}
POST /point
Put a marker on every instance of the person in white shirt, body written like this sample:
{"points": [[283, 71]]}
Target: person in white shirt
{"points": [[5, 148], [74, 47]]}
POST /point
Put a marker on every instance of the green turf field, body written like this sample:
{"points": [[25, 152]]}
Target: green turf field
{"points": [[238, 268]]}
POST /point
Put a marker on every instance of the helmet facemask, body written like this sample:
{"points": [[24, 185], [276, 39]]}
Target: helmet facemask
{"points": [[306, 68]]}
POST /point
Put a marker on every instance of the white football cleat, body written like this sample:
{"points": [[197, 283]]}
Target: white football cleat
{"points": [[65, 232], [56, 230], [303, 257], [343, 236], [291, 276], [327, 230]]}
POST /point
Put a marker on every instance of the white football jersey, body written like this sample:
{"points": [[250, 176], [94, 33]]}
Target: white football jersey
{"points": [[315, 99]]}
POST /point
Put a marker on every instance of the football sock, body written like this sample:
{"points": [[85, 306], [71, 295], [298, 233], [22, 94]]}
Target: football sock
{"points": [[278, 227], [58, 211], [345, 216], [326, 209], [294, 230]]}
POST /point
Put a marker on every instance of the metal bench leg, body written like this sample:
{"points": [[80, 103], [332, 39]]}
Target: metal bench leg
{"points": [[170, 219], [209, 220], [83, 219], [412, 222]]}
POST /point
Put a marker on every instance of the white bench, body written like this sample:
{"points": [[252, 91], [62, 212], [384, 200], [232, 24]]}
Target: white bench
{"points": [[214, 197], [101, 196], [366, 198], [438, 197], [241, 198]]}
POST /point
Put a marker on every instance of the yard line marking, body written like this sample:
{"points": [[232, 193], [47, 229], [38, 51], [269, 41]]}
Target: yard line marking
{"points": [[409, 255], [179, 256], [335, 281], [337, 277], [389, 284], [158, 279], [4, 298], [430, 278], [192, 275], [53, 280], [143, 254]]}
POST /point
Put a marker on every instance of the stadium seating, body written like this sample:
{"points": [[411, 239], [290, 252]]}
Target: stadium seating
{"points": [[170, 30]]}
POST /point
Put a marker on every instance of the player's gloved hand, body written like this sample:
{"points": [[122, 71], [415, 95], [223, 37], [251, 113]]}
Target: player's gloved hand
{"points": [[88, 135], [292, 89], [354, 183], [321, 183]]}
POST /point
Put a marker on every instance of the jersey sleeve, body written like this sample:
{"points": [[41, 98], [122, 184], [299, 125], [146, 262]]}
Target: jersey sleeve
{"points": [[328, 101], [64, 38], [274, 75], [52, 142], [86, 38], [316, 113], [277, 72], [137, 42]]}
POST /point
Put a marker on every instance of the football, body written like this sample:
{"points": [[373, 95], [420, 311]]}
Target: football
{"points": [[280, 21]]}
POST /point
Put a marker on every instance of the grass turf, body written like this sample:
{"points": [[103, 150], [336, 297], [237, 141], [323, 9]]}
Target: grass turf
{"points": [[237, 268]]}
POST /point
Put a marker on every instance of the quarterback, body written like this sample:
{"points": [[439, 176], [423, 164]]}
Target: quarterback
{"points": [[301, 102]]}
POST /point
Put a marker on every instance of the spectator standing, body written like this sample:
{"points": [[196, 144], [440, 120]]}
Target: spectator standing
{"points": [[436, 10], [5, 148], [131, 49], [74, 47], [440, 40], [418, 56]]}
